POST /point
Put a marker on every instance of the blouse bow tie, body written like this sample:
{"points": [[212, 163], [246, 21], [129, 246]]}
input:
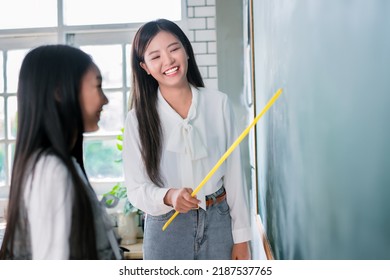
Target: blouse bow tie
{"points": [[185, 139]]}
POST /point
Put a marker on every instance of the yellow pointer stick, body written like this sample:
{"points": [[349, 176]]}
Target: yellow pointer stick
{"points": [[228, 152]]}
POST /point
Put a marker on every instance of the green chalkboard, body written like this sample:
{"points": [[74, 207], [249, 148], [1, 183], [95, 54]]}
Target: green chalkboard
{"points": [[323, 150]]}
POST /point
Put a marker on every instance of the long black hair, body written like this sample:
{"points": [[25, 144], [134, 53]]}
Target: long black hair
{"points": [[50, 121], [144, 92]]}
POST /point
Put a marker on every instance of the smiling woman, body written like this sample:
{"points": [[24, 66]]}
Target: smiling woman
{"points": [[171, 103], [167, 61]]}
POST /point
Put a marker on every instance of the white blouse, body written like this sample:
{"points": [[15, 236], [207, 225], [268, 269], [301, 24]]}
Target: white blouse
{"points": [[190, 149], [48, 198]]}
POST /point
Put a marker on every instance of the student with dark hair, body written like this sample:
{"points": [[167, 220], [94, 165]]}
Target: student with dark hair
{"points": [[175, 133], [53, 212]]}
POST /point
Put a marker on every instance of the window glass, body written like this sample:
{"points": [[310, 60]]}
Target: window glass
{"points": [[2, 165], [128, 101], [1, 73], [128, 76], [11, 154], [128, 65], [119, 11], [102, 160], [14, 61], [2, 118], [109, 60], [28, 14], [12, 116], [112, 118]]}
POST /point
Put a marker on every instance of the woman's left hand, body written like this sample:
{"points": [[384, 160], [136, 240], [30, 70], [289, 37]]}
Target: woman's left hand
{"points": [[241, 251]]}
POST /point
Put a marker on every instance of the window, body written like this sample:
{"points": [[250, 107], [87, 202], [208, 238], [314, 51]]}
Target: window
{"points": [[104, 29], [119, 11], [11, 13], [102, 158]]}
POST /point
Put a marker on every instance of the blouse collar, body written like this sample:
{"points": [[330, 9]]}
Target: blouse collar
{"points": [[184, 138]]}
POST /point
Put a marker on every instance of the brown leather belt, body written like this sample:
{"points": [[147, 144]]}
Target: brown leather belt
{"points": [[218, 199]]}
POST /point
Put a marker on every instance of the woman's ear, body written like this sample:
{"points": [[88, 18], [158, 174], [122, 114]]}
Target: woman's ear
{"points": [[143, 66]]}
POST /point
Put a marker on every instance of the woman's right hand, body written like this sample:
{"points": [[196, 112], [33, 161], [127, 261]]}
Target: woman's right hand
{"points": [[181, 200]]}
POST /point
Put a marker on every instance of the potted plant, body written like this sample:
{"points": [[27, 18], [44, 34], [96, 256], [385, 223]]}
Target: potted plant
{"points": [[112, 198], [126, 219]]}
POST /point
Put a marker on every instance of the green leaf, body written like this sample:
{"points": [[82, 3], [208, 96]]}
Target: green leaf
{"points": [[128, 208]]}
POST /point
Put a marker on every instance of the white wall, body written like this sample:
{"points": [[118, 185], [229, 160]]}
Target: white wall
{"points": [[202, 34]]}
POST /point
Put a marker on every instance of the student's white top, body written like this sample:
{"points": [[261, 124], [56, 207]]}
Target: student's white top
{"points": [[48, 198], [191, 147]]}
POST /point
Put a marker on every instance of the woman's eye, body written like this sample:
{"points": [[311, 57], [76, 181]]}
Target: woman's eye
{"points": [[155, 57], [175, 49]]}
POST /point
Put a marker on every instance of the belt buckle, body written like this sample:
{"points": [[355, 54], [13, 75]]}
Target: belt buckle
{"points": [[213, 199]]}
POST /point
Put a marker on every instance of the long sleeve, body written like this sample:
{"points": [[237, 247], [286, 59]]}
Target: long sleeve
{"points": [[234, 183], [48, 198], [141, 191]]}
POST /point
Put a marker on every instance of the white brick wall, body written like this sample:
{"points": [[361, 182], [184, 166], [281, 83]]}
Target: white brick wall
{"points": [[200, 48], [202, 34], [196, 2], [210, 23], [212, 47], [197, 23]]}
